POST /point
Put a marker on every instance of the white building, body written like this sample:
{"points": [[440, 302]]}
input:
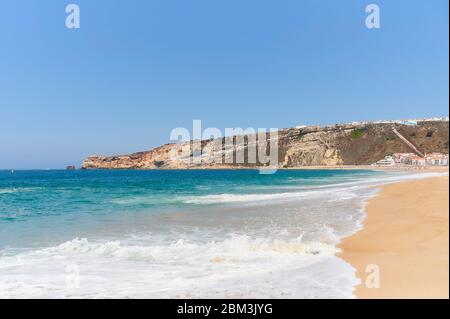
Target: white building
{"points": [[403, 158], [387, 161], [436, 159]]}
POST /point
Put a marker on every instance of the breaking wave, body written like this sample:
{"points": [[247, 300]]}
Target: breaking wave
{"points": [[339, 191]]}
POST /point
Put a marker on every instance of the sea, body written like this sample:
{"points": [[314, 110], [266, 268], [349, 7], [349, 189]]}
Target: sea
{"points": [[181, 233]]}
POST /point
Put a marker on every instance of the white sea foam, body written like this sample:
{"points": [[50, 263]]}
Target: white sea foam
{"points": [[341, 190], [241, 245], [11, 190], [8, 190], [235, 267]]}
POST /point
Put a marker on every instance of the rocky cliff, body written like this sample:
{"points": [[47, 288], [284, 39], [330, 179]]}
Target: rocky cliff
{"points": [[347, 144]]}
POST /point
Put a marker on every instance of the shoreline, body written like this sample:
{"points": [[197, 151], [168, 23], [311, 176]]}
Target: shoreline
{"points": [[312, 167], [405, 235], [406, 168]]}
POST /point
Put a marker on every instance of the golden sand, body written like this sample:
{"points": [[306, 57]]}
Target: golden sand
{"points": [[406, 235]]}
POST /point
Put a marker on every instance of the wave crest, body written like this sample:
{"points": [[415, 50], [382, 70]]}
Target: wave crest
{"points": [[235, 247]]}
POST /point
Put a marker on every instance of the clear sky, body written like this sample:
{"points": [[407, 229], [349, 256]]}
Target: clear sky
{"points": [[137, 69]]}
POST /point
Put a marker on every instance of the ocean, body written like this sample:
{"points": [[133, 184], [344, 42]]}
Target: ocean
{"points": [[181, 233]]}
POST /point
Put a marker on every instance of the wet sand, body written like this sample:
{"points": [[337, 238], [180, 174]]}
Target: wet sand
{"points": [[406, 237]]}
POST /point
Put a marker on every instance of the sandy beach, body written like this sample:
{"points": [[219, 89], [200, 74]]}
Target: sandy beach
{"points": [[406, 237]]}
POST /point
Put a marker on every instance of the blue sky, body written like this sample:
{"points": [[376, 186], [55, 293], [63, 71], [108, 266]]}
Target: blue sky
{"points": [[137, 69]]}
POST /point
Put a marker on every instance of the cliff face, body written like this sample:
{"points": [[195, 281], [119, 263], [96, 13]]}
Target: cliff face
{"points": [[327, 146]]}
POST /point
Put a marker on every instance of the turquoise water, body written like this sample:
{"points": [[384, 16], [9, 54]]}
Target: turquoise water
{"points": [[33, 204], [195, 233]]}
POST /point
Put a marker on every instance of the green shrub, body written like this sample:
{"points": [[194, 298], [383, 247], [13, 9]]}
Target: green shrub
{"points": [[301, 134], [357, 133]]}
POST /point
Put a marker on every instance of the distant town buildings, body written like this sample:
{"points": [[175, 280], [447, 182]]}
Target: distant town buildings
{"points": [[411, 159], [410, 122]]}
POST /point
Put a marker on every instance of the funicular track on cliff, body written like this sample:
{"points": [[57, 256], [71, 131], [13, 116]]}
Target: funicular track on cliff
{"points": [[407, 142]]}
